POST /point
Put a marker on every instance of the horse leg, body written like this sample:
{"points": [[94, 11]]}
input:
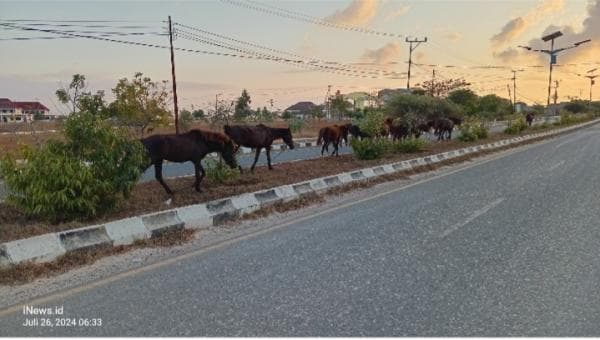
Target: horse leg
{"points": [[268, 148], [335, 148], [200, 173], [159, 178], [255, 158]]}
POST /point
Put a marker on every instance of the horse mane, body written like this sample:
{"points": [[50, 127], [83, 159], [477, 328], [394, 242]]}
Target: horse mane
{"points": [[211, 137]]}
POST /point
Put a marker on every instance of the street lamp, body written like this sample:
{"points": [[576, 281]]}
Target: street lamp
{"points": [[552, 52]]}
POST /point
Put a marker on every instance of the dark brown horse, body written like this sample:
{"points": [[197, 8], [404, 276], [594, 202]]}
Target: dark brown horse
{"points": [[332, 134], [191, 146], [529, 119], [399, 130], [258, 137], [443, 128]]}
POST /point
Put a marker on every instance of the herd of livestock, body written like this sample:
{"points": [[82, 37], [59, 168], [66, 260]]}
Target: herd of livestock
{"points": [[194, 145]]}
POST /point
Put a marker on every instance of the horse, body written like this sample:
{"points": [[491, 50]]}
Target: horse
{"points": [[258, 137], [442, 126], [399, 131], [529, 118], [191, 146], [332, 134], [356, 132]]}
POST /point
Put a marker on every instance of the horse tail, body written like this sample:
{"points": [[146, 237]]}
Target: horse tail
{"points": [[320, 139]]}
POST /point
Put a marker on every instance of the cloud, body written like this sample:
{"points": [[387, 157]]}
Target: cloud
{"points": [[400, 11], [452, 36], [358, 13], [517, 26], [383, 55], [587, 52]]}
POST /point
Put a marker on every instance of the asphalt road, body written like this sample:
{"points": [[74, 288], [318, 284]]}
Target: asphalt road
{"points": [[508, 247]]}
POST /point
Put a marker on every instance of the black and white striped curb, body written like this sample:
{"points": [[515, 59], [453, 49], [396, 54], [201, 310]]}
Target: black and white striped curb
{"points": [[44, 248]]}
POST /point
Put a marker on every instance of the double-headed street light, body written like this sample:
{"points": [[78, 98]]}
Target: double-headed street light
{"points": [[552, 52]]}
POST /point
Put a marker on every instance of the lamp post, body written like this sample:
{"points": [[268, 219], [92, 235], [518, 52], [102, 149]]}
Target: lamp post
{"points": [[553, 53]]}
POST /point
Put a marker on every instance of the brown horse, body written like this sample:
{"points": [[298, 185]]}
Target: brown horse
{"points": [[191, 146], [398, 131], [258, 137], [529, 118], [443, 128], [332, 134]]}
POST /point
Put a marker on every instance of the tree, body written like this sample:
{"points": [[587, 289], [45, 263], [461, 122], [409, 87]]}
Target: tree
{"points": [[577, 106], [317, 112], [140, 102], [242, 106], [185, 119], [466, 99], [81, 100], [198, 114], [494, 106], [340, 105], [441, 88]]}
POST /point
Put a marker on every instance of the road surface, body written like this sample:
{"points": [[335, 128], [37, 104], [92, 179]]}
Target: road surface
{"points": [[505, 247]]}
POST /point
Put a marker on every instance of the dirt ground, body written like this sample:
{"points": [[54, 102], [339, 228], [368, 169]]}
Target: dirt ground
{"points": [[150, 196]]}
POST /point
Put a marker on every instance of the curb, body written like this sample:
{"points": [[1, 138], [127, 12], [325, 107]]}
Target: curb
{"points": [[47, 247]]}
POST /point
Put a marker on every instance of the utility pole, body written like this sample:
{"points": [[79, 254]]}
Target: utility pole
{"points": [[592, 82], [514, 79], [509, 94], [433, 83], [176, 109], [328, 102], [417, 42], [553, 54], [555, 94]]}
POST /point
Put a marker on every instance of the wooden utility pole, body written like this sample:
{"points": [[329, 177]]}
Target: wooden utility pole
{"points": [[417, 42], [433, 83], [176, 109], [555, 95]]}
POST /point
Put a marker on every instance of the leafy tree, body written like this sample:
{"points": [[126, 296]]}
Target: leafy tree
{"points": [[494, 106], [340, 106], [242, 107], [79, 99], [467, 100], [198, 114], [577, 106], [287, 115], [140, 102], [317, 112], [185, 119], [441, 88]]}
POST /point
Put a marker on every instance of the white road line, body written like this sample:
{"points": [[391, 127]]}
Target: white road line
{"points": [[556, 165], [473, 216]]}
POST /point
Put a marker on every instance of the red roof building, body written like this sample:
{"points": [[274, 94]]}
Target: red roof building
{"points": [[11, 111]]}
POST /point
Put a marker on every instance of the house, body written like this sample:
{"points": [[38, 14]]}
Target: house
{"points": [[302, 110], [11, 111], [360, 100]]}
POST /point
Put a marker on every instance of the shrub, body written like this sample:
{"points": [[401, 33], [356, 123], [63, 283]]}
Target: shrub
{"points": [[81, 177], [516, 127], [219, 171], [296, 124], [369, 148], [372, 122], [409, 145], [472, 130]]}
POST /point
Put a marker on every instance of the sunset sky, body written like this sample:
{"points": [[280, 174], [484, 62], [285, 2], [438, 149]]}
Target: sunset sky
{"points": [[462, 37]]}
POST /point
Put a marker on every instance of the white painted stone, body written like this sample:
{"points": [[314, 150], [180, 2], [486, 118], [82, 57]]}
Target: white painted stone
{"points": [[42, 248], [318, 184], [195, 216], [126, 231], [388, 168], [246, 203], [368, 172], [286, 192], [345, 177]]}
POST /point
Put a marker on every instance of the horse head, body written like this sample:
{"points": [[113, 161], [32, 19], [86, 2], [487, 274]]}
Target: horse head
{"points": [[287, 138]]}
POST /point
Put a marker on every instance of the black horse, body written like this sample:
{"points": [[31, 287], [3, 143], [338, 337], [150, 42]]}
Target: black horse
{"points": [[258, 137], [191, 146], [356, 132], [443, 128], [529, 119]]}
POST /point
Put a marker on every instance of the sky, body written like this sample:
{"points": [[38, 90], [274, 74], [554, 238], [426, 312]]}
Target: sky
{"points": [[462, 36]]}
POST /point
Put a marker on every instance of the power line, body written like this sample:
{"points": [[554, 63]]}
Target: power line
{"points": [[306, 18]]}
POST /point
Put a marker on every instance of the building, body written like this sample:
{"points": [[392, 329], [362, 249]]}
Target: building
{"points": [[11, 111], [302, 110]]}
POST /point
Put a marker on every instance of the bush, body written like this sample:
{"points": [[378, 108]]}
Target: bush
{"points": [[409, 145], [372, 122], [219, 171], [79, 178], [472, 130], [296, 124], [369, 148], [516, 127]]}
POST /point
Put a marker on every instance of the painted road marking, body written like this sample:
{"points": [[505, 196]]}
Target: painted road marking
{"points": [[472, 217], [556, 165]]}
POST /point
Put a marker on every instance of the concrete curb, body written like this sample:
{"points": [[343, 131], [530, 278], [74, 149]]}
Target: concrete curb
{"points": [[47, 247]]}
